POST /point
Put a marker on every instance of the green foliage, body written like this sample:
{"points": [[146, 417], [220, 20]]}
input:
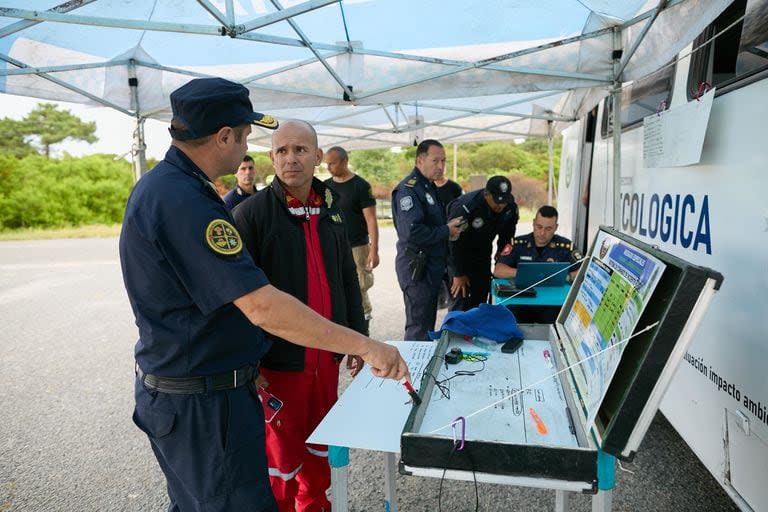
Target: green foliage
{"points": [[42, 192], [378, 166], [263, 166], [12, 141], [45, 126], [229, 181], [383, 169]]}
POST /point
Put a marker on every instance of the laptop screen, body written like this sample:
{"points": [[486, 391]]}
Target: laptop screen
{"points": [[533, 272]]}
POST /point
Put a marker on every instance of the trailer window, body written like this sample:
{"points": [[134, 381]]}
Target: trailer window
{"points": [[640, 99], [736, 54]]}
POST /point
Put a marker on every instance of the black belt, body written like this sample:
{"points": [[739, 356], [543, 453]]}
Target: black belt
{"points": [[192, 385]]}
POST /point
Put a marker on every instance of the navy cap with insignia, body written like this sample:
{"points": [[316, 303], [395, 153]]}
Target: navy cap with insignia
{"points": [[500, 189], [205, 105]]}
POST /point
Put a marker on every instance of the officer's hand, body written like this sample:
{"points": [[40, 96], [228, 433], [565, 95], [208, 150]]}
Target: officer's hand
{"points": [[455, 227], [261, 381], [460, 285], [373, 259], [355, 364], [385, 361]]}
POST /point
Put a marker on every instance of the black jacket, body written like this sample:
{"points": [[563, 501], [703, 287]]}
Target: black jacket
{"points": [[275, 239], [471, 253]]}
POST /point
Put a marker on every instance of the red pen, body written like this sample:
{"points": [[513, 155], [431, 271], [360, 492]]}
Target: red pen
{"points": [[412, 392]]}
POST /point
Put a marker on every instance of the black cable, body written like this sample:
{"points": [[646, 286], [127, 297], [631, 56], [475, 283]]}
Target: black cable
{"points": [[441, 384], [442, 479], [445, 470]]}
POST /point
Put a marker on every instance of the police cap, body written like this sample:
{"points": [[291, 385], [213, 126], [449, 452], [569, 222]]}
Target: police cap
{"points": [[500, 189], [205, 105]]}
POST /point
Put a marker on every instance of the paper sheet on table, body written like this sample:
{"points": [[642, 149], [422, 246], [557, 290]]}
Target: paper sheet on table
{"points": [[371, 412]]}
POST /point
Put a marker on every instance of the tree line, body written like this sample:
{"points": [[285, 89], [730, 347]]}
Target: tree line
{"points": [[39, 191], [525, 164]]}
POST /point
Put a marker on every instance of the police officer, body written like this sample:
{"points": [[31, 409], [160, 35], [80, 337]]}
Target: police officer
{"points": [[422, 236], [245, 187], [201, 304], [489, 212], [542, 245]]}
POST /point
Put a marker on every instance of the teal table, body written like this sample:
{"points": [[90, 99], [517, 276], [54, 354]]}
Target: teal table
{"points": [[545, 296]]}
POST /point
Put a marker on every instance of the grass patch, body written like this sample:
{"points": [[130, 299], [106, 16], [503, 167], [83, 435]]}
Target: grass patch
{"points": [[90, 231]]}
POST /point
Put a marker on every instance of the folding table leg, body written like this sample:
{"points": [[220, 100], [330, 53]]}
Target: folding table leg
{"points": [[338, 458], [602, 501], [390, 484], [562, 501]]}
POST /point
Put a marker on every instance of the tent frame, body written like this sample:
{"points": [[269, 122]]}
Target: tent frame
{"points": [[224, 25]]}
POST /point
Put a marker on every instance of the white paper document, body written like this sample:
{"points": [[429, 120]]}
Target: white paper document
{"points": [[371, 412], [675, 137]]}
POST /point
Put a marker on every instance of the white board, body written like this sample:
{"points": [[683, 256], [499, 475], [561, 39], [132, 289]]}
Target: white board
{"points": [[371, 412]]}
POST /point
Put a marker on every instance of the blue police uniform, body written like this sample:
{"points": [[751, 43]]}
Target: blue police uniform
{"points": [[470, 255], [422, 248], [524, 249], [235, 196], [183, 264], [559, 249]]}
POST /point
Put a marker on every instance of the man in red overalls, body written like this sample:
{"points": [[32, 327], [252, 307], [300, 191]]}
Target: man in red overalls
{"points": [[294, 230]]}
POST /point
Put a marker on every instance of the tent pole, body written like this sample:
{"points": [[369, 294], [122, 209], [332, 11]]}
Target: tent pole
{"points": [[455, 152], [139, 148], [616, 103], [551, 156]]}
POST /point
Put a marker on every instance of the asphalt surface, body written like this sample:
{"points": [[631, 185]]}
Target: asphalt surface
{"points": [[67, 442]]}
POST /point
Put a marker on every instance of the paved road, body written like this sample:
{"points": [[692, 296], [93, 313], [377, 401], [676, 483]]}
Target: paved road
{"points": [[67, 442]]}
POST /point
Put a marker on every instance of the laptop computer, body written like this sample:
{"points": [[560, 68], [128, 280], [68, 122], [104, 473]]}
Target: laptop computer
{"points": [[529, 273]]}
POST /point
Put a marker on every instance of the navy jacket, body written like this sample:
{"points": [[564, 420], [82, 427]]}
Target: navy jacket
{"points": [[471, 253], [183, 264], [420, 221]]}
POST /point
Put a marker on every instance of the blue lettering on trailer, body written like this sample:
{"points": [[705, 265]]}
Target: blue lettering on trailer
{"points": [[678, 219]]}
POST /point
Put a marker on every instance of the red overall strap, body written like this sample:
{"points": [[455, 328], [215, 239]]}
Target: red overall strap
{"points": [[318, 291]]}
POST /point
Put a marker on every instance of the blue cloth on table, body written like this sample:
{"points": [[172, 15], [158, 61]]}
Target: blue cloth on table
{"points": [[490, 321]]}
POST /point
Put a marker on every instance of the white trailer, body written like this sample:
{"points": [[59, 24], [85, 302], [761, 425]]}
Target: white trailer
{"points": [[714, 213]]}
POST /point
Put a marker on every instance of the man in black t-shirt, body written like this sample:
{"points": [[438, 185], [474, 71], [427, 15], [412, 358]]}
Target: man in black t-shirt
{"points": [[359, 209], [447, 190]]}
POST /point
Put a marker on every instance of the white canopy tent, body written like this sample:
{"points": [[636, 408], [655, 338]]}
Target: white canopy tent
{"points": [[366, 73]]}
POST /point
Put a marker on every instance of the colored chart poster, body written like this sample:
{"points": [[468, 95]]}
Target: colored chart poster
{"points": [[618, 283]]}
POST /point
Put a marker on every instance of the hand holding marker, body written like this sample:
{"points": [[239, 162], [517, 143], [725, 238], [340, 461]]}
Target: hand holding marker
{"points": [[412, 392]]}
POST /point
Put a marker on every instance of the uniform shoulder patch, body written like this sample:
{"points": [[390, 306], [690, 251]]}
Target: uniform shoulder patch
{"points": [[406, 203], [223, 238], [507, 250]]}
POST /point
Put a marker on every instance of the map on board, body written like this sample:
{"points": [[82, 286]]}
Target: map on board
{"points": [[510, 398], [618, 283]]}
